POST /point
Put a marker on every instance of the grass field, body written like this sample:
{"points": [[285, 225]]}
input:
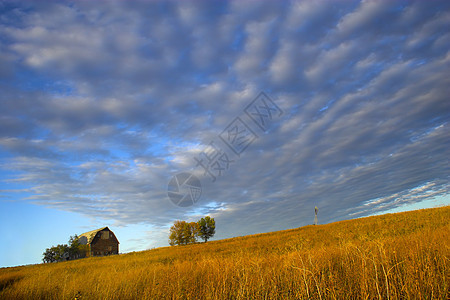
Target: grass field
{"points": [[395, 256]]}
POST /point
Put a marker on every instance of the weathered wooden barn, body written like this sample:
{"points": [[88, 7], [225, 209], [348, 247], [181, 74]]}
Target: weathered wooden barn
{"points": [[100, 241]]}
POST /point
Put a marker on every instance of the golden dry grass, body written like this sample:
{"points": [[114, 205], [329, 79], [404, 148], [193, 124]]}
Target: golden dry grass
{"points": [[395, 256]]}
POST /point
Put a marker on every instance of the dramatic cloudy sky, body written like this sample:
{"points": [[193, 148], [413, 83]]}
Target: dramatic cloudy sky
{"points": [[102, 102]]}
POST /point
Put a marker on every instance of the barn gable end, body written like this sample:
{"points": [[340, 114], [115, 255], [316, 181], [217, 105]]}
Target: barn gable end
{"points": [[101, 242]]}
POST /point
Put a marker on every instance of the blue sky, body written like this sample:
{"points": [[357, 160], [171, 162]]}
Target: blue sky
{"points": [[103, 102]]}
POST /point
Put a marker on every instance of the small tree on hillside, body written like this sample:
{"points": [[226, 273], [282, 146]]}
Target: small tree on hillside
{"points": [[176, 236], [49, 255], [74, 245], [76, 249], [63, 252], [183, 233], [193, 231], [207, 228], [56, 253]]}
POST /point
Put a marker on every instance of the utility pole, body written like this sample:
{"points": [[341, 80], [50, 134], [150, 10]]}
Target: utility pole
{"points": [[316, 210]]}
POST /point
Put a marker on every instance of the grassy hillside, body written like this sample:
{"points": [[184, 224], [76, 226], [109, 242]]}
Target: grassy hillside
{"points": [[395, 256]]}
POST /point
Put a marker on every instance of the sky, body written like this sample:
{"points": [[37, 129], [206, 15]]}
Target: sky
{"points": [[271, 108]]}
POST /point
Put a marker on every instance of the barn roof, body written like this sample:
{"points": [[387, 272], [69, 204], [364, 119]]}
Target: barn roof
{"points": [[91, 234]]}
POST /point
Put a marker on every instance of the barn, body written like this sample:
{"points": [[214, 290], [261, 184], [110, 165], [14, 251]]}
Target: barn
{"points": [[100, 241]]}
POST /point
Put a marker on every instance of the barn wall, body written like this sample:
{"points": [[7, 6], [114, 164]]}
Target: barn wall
{"points": [[101, 246]]}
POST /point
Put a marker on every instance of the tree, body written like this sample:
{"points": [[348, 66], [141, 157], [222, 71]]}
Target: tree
{"points": [[49, 255], [56, 253], [65, 252], [183, 233], [176, 236], [62, 252], [74, 245], [192, 231], [207, 228], [76, 249]]}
